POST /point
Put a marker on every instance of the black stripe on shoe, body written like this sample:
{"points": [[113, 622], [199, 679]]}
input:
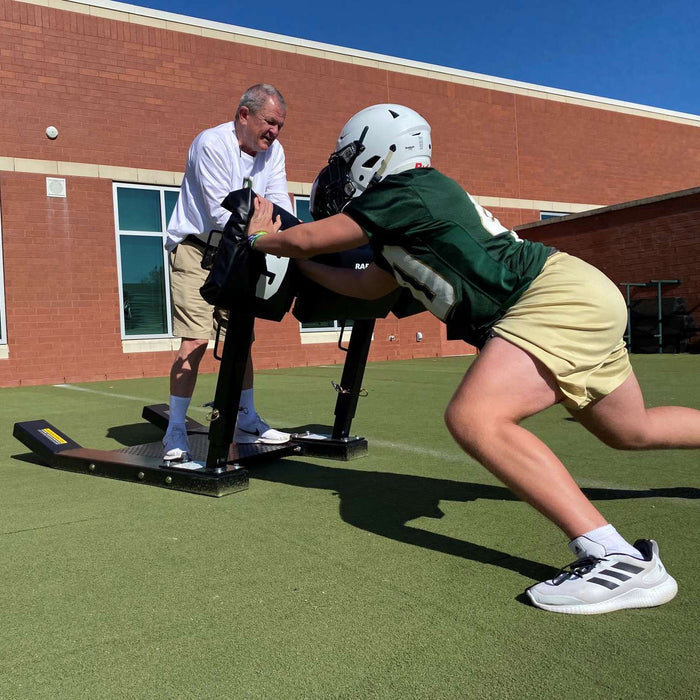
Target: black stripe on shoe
{"points": [[623, 573], [604, 582], [629, 568], [616, 574]]}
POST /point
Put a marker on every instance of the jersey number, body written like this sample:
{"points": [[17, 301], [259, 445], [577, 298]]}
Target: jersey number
{"points": [[426, 285]]}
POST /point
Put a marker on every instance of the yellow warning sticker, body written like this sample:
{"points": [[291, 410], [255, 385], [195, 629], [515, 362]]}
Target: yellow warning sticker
{"points": [[53, 436]]}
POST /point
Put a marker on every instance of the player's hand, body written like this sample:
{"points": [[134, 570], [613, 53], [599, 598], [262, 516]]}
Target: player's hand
{"points": [[262, 218]]}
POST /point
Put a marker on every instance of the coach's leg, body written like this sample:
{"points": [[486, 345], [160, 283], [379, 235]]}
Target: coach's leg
{"points": [[621, 420], [183, 378], [503, 386], [183, 374]]}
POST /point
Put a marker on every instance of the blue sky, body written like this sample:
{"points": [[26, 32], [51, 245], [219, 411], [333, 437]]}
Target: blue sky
{"points": [[645, 51]]}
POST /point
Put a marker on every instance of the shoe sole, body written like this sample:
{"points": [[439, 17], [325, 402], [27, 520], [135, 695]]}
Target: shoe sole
{"points": [[175, 454], [634, 598], [252, 440]]}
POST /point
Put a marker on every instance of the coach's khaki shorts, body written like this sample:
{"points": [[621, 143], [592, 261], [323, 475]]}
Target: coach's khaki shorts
{"points": [[572, 318], [192, 316]]}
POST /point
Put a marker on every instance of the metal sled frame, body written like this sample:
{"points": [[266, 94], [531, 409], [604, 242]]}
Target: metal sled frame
{"points": [[225, 466]]}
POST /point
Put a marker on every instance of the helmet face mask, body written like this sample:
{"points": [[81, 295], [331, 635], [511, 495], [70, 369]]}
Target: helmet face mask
{"points": [[326, 195], [333, 187], [378, 141]]}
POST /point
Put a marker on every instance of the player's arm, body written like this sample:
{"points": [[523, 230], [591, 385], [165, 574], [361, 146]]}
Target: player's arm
{"points": [[330, 235], [370, 283]]}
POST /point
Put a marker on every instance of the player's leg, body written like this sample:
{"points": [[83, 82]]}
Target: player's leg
{"points": [[621, 420], [503, 386], [608, 578]]}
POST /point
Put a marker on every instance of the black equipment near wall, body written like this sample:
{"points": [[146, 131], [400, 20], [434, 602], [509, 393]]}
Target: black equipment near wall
{"points": [[677, 325], [660, 324]]}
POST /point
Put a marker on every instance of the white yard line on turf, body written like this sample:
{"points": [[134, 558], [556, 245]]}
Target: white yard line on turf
{"points": [[423, 451], [399, 446], [413, 449], [126, 397]]}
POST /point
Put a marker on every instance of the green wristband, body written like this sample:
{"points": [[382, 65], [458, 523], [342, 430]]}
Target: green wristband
{"points": [[253, 238]]}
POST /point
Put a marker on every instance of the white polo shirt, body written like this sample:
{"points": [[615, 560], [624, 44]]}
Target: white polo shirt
{"points": [[216, 166]]}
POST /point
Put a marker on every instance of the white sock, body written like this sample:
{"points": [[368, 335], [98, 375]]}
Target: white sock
{"points": [[602, 541], [178, 410], [246, 407]]}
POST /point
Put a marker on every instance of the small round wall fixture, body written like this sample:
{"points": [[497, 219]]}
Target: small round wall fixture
{"points": [[52, 132]]}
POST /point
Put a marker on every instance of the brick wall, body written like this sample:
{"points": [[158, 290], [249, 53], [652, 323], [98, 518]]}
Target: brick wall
{"points": [[657, 239], [62, 298], [61, 288], [133, 96]]}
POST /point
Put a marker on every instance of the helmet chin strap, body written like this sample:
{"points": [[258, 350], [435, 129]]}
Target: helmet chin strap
{"points": [[384, 165]]}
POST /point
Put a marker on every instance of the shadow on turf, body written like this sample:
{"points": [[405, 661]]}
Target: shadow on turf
{"points": [[29, 458], [135, 434], [383, 503]]}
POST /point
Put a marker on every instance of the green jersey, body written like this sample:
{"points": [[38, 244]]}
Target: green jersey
{"points": [[452, 254]]}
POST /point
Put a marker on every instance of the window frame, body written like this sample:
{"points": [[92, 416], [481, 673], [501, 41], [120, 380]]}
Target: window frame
{"points": [[161, 189]]}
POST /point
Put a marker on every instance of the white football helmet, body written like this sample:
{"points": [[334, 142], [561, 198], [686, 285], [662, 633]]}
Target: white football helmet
{"points": [[391, 138], [378, 141]]}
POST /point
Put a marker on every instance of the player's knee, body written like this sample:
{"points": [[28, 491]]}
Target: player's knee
{"points": [[453, 416], [467, 424]]}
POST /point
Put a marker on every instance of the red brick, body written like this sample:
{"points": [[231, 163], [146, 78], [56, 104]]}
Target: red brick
{"points": [[128, 95]]}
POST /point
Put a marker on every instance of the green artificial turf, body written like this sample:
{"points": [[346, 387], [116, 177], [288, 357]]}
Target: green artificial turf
{"points": [[398, 575]]}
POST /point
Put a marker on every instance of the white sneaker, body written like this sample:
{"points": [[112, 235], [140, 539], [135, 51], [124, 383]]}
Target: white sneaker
{"points": [[176, 444], [259, 432], [593, 585]]}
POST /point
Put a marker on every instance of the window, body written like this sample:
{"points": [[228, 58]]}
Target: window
{"points": [[3, 327], [301, 209], [544, 215], [141, 217]]}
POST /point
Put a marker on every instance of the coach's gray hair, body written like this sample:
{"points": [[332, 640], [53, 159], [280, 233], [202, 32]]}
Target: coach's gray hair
{"points": [[255, 97]]}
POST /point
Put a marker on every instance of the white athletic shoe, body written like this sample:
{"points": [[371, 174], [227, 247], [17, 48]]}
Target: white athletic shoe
{"points": [[593, 585], [176, 444], [259, 433]]}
